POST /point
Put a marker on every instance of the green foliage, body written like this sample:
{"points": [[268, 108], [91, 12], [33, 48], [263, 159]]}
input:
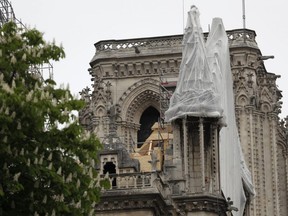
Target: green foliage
{"points": [[44, 169]]}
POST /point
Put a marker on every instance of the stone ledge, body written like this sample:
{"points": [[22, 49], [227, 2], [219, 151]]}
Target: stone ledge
{"points": [[195, 203]]}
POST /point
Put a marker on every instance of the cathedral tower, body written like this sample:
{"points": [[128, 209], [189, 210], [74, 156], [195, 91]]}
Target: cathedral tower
{"points": [[133, 80], [262, 135]]}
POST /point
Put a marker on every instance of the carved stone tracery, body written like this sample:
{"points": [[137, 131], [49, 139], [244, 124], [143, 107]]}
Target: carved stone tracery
{"points": [[202, 203], [257, 100]]}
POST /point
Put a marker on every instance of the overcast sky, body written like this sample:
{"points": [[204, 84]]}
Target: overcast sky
{"points": [[80, 24]]}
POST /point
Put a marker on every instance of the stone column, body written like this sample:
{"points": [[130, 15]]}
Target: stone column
{"points": [[202, 155], [185, 153]]}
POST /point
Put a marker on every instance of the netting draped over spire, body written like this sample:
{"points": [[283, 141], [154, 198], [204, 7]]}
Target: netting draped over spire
{"points": [[197, 91], [233, 170], [205, 89]]}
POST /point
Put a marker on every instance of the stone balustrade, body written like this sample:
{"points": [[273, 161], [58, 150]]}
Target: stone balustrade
{"points": [[174, 40], [241, 34], [130, 180], [141, 42]]}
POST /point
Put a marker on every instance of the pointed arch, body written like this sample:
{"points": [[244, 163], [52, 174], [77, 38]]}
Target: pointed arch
{"points": [[242, 100], [266, 95], [100, 111], [133, 102], [139, 97], [147, 120]]}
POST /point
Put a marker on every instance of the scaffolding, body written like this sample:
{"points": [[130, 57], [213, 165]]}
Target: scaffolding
{"points": [[165, 91], [6, 12], [44, 71]]}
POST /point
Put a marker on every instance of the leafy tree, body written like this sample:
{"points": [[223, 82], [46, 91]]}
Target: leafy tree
{"points": [[44, 169]]}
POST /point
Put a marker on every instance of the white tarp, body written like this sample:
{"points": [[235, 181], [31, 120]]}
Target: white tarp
{"points": [[205, 88], [196, 93], [234, 172]]}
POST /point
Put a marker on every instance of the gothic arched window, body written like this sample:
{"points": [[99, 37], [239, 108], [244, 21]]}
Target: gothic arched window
{"points": [[148, 118]]}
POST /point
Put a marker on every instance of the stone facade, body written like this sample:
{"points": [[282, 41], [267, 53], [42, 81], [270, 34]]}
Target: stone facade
{"points": [[131, 76], [263, 137]]}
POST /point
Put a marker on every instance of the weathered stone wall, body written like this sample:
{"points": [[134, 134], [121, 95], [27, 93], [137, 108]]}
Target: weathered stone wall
{"points": [[127, 74], [128, 213], [257, 102], [202, 214]]}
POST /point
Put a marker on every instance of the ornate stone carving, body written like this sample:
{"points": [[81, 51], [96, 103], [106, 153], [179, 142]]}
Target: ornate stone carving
{"points": [[153, 161], [85, 95], [144, 83], [202, 203], [133, 201], [135, 66]]}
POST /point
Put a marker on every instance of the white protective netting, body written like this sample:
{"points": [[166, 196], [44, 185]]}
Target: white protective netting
{"points": [[205, 88], [196, 93], [233, 170]]}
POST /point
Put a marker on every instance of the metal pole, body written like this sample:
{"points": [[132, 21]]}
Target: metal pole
{"points": [[183, 15], [244, 15]]}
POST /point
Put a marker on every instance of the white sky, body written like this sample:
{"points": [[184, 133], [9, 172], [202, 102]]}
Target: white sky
{"points": [[80, 24]]}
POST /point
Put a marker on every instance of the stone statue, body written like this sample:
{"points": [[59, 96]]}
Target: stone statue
{"points": [[153, 161]]}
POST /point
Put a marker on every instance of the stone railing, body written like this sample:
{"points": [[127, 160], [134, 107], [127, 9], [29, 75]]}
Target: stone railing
{"points": [[241, 34], [154, 42], [168, 41], [117, 45], [130, 180]]}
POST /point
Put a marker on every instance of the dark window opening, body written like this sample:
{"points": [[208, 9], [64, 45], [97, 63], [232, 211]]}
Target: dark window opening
{"points": [[111, 169], [148, 118]]}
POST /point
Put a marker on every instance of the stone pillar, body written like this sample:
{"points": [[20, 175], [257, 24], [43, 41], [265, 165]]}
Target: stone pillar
{"points": [[185, 153], [202, 157], [177, 171], [197, 138], [274, 165]]}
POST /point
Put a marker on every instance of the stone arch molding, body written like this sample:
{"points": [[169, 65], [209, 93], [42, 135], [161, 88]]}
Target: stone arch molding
{"points": [[100, 111], [139, 97], [266, 95], [283, 146], [242, 100]]}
